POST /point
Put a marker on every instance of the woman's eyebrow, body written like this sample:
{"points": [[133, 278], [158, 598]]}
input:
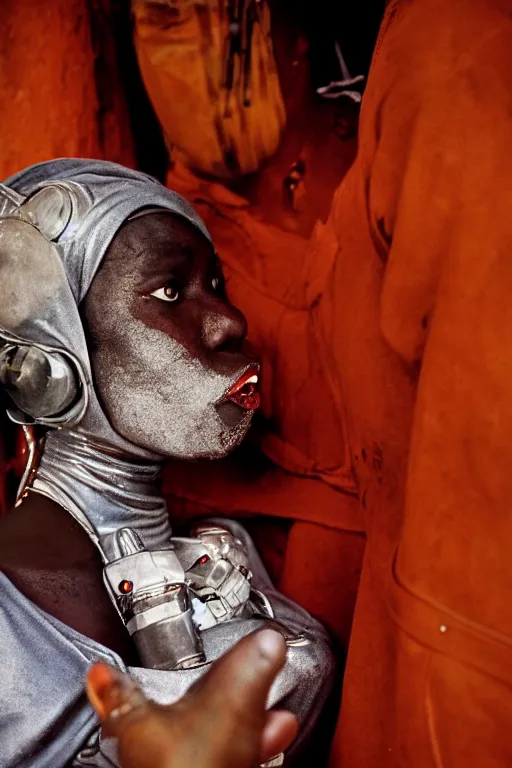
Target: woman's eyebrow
{"points": [[164, 256]]}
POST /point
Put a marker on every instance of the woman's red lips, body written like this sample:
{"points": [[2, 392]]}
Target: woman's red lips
{"points": [[245, 392]]}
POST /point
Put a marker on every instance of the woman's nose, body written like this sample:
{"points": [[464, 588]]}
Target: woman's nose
{"points": [[224, 329]]}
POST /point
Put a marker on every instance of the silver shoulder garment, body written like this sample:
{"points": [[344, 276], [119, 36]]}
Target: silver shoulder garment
{"points": [[45, 719]]}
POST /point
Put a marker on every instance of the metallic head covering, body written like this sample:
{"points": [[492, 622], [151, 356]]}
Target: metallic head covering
{"points": [[80, 206], [102, 196]]}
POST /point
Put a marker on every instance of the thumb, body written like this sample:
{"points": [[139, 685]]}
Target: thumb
{"points": [[243, 677], [221, 722], [146, 732], [113, 694], [232, 697]]}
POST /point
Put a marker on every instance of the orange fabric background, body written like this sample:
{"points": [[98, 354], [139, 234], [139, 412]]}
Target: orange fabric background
{"points": [[420, 298], [48, 80], [413, 320]]}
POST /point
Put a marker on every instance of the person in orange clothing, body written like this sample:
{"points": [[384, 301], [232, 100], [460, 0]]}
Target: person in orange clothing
{"points": [[417, 321], [261, 171]]}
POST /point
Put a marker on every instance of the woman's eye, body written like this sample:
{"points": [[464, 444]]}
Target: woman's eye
{"points": [[167, 293], [215, 283]]}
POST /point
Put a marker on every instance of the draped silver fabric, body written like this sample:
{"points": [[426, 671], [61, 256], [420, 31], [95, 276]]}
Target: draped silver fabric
{"points": [[103, 491], [45, 718]]}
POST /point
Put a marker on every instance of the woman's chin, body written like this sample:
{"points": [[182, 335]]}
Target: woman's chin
{"points": [[214, 438]]}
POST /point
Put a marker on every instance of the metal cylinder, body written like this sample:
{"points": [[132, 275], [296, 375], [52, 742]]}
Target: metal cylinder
{"points": [[163, 630]]}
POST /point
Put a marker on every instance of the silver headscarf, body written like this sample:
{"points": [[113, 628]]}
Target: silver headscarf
{"points": [[88, 200], [103, 196], [79, 205]]}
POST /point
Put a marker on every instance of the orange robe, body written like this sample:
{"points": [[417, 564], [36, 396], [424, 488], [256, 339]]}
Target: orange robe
{"points": [[416, 316]]}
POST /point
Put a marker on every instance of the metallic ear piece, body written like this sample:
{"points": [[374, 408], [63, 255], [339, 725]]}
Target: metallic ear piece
{"points": [[41, 384], [55, 208], [49, 209], [45, 384]]}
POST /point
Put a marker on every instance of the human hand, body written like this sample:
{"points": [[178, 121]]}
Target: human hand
{"points": [[221, 722]]}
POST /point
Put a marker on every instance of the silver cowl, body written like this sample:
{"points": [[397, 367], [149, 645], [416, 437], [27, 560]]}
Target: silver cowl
{"points": [[184, 601]]}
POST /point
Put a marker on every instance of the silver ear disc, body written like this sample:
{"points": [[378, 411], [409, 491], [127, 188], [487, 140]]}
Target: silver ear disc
{"points": [[49, 209], [43, 382], [39, 383]]}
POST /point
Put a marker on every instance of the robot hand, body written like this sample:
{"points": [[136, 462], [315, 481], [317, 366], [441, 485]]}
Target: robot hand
{"points": [[216, 566]]}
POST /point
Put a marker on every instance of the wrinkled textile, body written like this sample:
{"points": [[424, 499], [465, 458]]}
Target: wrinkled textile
{"points": [[45, 715], [413, 322], [418, 317], [222, 114]]}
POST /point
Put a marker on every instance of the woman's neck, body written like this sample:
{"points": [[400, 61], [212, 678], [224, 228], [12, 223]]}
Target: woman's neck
{"points": [[103, 489]]}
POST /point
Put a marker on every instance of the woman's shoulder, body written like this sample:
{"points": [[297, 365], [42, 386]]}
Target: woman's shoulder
{"points": [[50, 559]]}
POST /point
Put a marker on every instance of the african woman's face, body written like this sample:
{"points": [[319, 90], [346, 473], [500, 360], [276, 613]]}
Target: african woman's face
{"points": [[166, 345]]}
